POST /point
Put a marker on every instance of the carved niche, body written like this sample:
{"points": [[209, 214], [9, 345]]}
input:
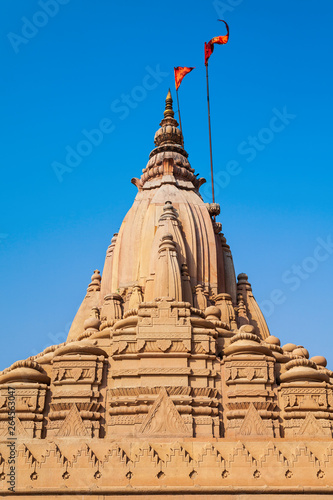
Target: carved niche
{"points": [[249, 378], [23, 389], [305, 398], [75, 410]]}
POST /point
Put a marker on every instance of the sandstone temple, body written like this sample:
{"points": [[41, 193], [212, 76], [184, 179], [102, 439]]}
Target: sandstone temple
{"points": [[169, 384]]}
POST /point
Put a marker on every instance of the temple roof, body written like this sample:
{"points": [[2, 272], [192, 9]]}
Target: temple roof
{"points": [[168, 202]]}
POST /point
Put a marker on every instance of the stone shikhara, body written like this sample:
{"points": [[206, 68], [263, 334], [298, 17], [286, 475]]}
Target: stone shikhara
{"points": [[169, 379]]}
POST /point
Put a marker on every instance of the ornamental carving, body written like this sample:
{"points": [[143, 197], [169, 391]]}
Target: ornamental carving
{"points": [[247, 371]]}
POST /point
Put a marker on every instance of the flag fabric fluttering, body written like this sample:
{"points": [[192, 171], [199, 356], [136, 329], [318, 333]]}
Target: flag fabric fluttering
{"points": [[220, 40], [180, 72]]}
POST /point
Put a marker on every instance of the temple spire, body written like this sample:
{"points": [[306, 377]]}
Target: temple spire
{"points": [[169, 135], [168, 160]]}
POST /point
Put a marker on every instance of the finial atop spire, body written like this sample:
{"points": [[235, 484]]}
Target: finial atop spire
{"points": [[168, 106], [169, 135], [168, 160]]}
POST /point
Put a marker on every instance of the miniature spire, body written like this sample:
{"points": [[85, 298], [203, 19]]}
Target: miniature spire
{"points": [[254, 314], [168, 278], [95, 284]]}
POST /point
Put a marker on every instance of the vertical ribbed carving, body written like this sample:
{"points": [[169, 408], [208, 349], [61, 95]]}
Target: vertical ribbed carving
{"points": [[168, 279], [254, 313]]}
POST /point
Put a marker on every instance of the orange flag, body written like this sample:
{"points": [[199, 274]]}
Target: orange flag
{"points": [[220, 40], [180, 72]]}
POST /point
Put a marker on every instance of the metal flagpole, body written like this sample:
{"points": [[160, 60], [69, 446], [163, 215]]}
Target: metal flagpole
{"points": [[210, 136], [180, 121]]}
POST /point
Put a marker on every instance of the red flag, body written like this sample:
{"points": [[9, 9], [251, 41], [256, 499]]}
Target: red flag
{"points": [[220, 40], [180, 72]]}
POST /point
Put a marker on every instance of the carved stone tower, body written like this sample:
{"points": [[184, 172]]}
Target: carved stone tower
{"points": [[169, 382]]}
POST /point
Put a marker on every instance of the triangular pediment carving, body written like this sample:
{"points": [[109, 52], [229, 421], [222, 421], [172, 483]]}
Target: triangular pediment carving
{"points": [[163, 419], [311, 426], [253, 424], [73, 424], [19, 429]]}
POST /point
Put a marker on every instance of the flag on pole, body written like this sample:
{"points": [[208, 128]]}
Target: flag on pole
{"points": [[180, 72], [220, 40], [209, 47]]}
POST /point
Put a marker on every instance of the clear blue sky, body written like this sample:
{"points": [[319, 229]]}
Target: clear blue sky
{"points": [[274, 176]]}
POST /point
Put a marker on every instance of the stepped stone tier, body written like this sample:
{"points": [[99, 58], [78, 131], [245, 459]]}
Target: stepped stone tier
{"points": [[169, 384]]}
